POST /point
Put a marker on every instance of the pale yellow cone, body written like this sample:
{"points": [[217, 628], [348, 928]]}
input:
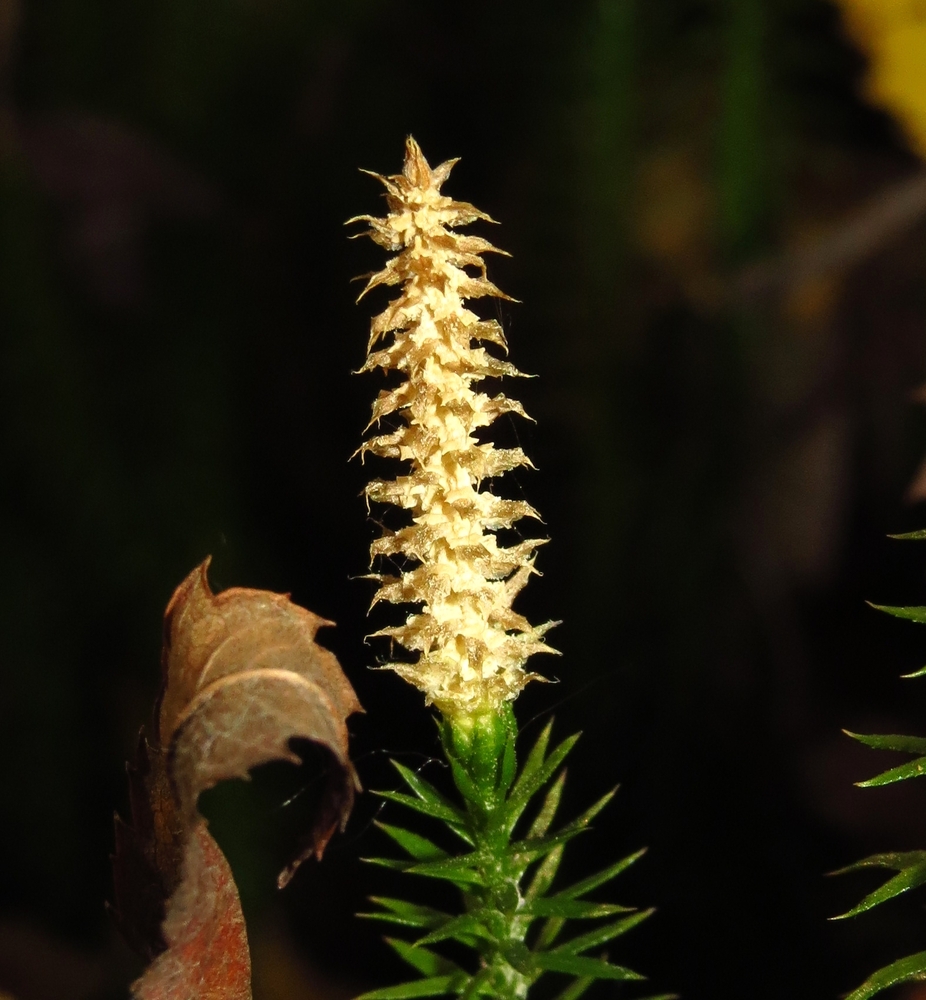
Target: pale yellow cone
{"points": [[471, 645]]}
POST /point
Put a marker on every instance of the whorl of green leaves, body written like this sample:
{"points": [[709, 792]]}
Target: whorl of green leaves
{"points": [[510, 919], [910, 866]]}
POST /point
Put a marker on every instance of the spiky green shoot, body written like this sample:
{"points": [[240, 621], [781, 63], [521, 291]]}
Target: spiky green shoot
{"points": [[910, 866], [511, 920]]}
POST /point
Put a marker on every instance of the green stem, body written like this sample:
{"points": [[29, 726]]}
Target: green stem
{"points": [[481, 751]]}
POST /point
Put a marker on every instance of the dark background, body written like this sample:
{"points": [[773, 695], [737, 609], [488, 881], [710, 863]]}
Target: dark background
{"points": [[725, 434]]}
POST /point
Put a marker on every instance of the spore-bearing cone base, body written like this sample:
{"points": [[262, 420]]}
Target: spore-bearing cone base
{"points": [[481, 749]]}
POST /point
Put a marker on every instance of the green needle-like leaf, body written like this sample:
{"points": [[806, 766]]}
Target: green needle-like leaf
{"points": [[478, 985], [576, 988], [910, 614], [549, 932], [424, 807], [420, 848], [911, 967], [391, 863], [544, 875], [407, 914], [913, 769], [594, 881], [916, 673], [509, 762], [601, 935], [551, 801], [538, 753], [527, 785], [581, 822], [465, 927], [574, 909], [433, 986], [442, 807], [427, 962], [911, 868], [388, 918], [530, 850], [461, 778], [458, 870], [553, 961], [910, 536], [905, 744], [896, 860]]}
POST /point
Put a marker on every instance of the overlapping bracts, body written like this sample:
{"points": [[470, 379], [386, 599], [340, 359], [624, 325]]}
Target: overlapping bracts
{"points": [[472, 645]]}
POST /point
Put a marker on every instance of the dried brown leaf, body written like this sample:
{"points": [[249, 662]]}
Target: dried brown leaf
{"points": [[242, 677], [207, 955]]}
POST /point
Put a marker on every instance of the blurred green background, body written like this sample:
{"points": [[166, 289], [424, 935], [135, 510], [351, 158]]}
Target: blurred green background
{"points": [[727, 428]]}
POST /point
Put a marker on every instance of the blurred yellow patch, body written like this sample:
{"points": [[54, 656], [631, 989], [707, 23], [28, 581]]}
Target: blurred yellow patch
{"points": [[812, 301], [892, 33], [674, 209], [877, 17]]}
